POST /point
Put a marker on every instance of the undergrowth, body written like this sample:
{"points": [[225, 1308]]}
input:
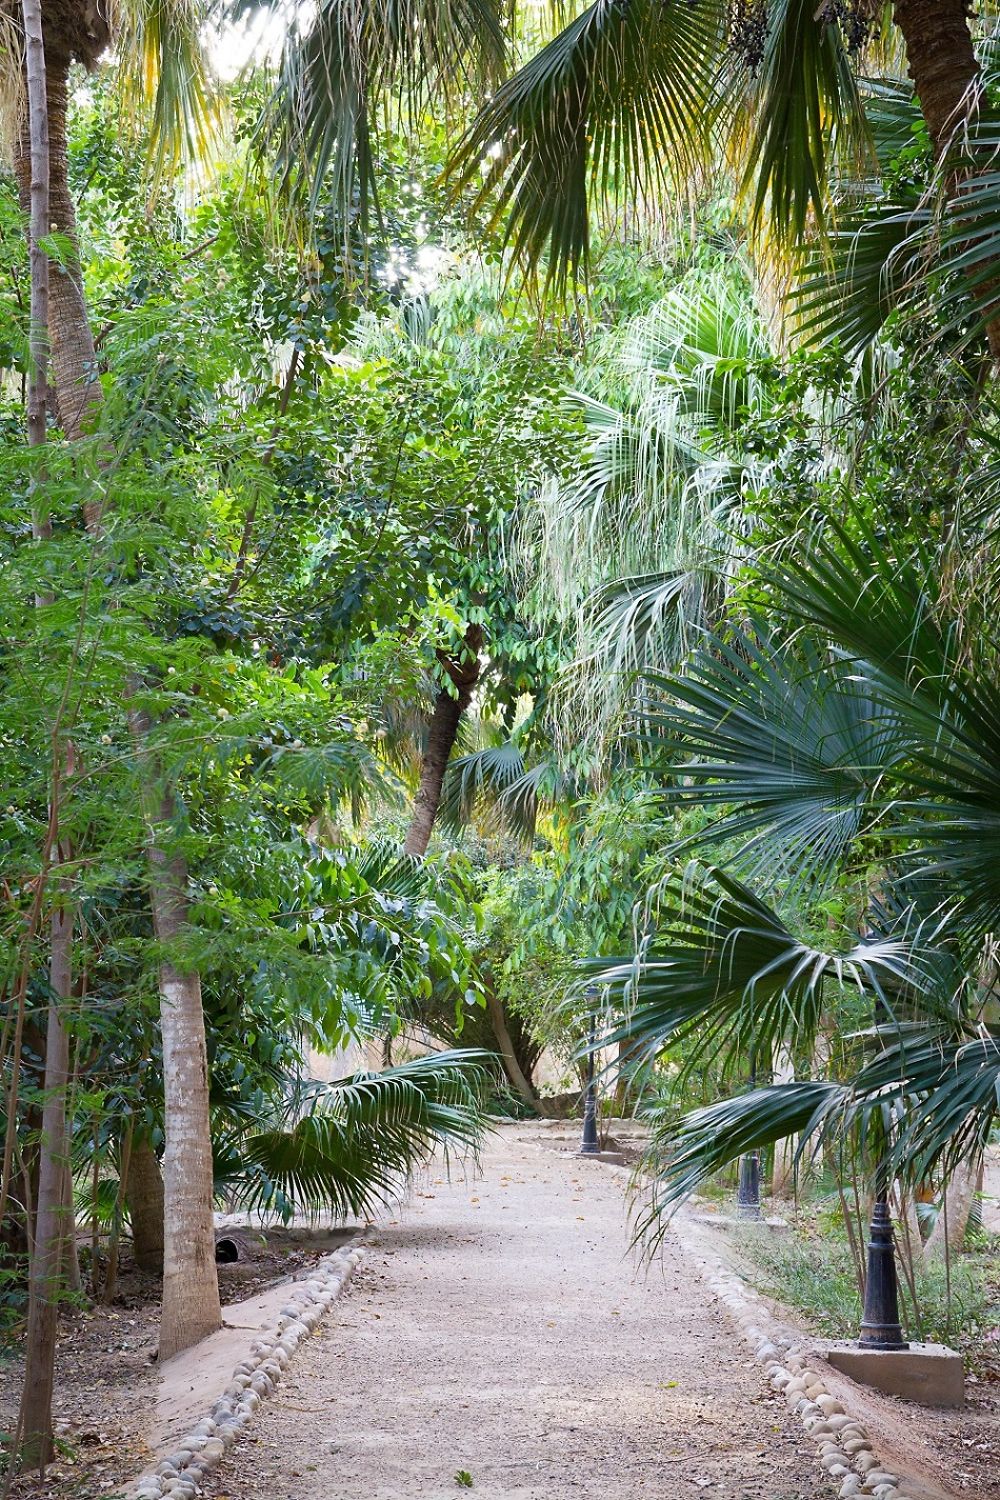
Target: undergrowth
{"points": [[809, 1268]]}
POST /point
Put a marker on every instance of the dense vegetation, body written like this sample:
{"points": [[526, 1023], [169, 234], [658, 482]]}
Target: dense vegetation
{"points": [[456, 579]]}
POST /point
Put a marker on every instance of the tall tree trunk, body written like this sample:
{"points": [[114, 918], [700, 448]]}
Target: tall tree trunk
{"points": [[191, 1307], [46, 1275], [946, 74], [145, 1206], [190, 1272], [442, 732], [73, 357]]}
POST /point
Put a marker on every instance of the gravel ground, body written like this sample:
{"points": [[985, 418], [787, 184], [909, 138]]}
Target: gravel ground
{"points": [[500, 1333]]}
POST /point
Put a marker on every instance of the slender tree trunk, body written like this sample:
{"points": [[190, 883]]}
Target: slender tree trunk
{"points": [[46, 1274], [45, 1279], [145, 1206], [512, 1067], [947, 77], [441, 735], [783, 1171], [191, 1308]]}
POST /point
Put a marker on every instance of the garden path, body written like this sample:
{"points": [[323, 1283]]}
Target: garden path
{"points": [[501, 1331]]}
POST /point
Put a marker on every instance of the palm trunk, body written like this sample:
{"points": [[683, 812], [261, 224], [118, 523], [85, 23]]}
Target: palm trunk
{"points": [[145, 1206], [441, 735], [73, 357], [191, 1307], [946, 74]]}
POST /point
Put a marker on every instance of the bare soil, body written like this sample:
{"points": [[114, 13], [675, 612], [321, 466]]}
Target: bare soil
{"points": [[106, 1374]]}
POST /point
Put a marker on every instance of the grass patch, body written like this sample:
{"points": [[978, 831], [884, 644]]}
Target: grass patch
{"points": [[810, 1270]]}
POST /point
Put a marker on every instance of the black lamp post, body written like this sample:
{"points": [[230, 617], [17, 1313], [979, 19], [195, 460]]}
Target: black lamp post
{"points": [[748, 1186], [880, 1325], [590, 1145]]}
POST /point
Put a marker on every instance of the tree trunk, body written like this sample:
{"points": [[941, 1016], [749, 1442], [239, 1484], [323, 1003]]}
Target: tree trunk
{"points": [[783, 1171], [46, 1273], [508, 1056], [948, 1234], [191, 1308], [145, 1206], [441, 734], [73, 357], [190, 1287], [946, 74]]}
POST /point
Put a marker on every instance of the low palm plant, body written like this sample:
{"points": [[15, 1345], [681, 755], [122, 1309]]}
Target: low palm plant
{"points": [[861, 742]]}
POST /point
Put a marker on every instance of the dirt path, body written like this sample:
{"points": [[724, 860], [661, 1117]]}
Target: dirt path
{"points": [[500, 1328]]}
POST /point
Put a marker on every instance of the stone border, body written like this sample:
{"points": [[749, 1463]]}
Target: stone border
{"points": [[845, 1447], [181, 1472]]}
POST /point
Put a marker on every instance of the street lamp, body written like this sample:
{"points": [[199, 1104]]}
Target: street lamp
{"points": [[590, 1145], [880, 1325], [748, 1186]]}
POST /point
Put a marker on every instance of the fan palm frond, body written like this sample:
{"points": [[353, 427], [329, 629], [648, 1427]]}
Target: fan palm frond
{"points": [[789, 744], [499, 776], [721, 969], [621, 100]]}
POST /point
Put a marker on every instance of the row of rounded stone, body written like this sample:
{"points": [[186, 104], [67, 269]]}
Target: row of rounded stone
{"points": [[178, 1475], [845, 1448]]}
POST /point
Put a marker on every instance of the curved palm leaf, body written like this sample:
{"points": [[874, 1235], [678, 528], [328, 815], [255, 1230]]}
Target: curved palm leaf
{"points": [[347, 60], [349, 1147], [948, 1089], [622, 97], [683, 1153]]}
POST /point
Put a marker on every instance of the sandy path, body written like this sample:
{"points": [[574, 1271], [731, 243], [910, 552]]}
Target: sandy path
{"points": [[500, 1328]]}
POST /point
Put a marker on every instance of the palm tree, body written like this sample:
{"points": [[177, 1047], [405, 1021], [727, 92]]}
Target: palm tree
{"points": [[632, 552], [856, 734], [643, 100]]}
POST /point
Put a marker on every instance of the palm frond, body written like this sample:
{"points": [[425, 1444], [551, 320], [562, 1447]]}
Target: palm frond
{"points": [[350, 1147], [622, 100], [805, 107], [789, 744], [683, 1153], [349, 61], [720, 968], [496, 776], [163, 69]]}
